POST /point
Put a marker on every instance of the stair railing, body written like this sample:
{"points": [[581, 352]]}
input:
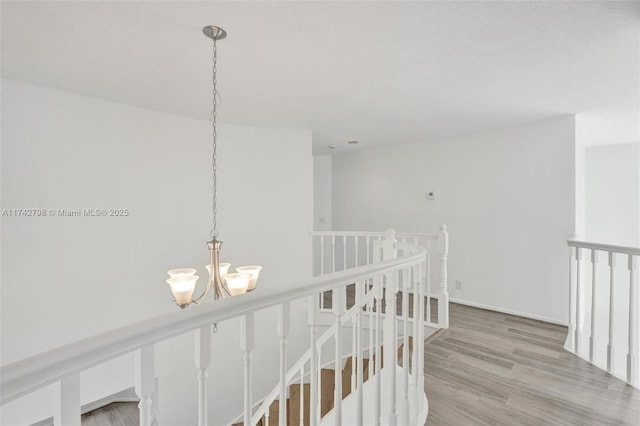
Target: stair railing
{"points": [[342, 250], [63, 366], [604, 306], [373, 300]]}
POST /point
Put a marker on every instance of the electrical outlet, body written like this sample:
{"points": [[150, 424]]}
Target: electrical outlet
{"points": [[458, 285]]}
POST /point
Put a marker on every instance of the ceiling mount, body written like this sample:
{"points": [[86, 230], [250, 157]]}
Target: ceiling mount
{"points": [[214, 33]]}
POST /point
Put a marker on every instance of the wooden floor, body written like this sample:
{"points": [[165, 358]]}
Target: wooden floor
{"points": [[495, 369], [116, 414]]}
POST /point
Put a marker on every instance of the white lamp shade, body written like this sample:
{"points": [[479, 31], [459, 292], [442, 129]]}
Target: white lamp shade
{"points": [[224, 268], [182, 287], [237, 283], [254, 271], [181, 272]]}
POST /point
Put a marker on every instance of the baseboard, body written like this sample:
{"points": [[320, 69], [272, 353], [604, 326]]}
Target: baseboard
{"points": [[508, 311]]}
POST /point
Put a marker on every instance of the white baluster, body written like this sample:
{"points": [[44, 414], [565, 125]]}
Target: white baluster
{"points": [[578, 329], [572, 317], [338, 309], [404, 401], [610, 346], [417, 322], [353, 353], [333, 253], [266, 417], [283, 331], [371, 346], [378, 361], [319, 381], [592, 337], [357, 255], [633, 375], [344, 252], [368, 243], [321, 295], [313, 372], [144, 382], [422, 275], [322, 255], [426, 292], [301, 423], [443, 296], [359, 364], [246, 344], [66, 402], [203, 361]]}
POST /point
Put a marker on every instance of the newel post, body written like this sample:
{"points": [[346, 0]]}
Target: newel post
{"points": [[389, 250], [443, 295]]}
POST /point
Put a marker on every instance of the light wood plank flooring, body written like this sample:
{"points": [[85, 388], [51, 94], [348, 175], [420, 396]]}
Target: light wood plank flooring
{"points": [[116, 414], [495, 369]]}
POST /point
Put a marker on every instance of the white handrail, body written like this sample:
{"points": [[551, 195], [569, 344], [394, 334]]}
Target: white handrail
{"points": [[635, 251], [25, 376], [371, 234]]}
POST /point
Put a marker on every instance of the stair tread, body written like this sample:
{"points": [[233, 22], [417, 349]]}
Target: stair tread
{"points": [[327, 391]]}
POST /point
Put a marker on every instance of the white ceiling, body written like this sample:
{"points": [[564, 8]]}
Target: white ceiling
{"points": [[378, 72]]}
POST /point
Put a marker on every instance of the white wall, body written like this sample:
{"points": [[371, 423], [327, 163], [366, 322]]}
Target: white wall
{"points": [[322, 192], [66, 278], [613, 194], [506, 195]]}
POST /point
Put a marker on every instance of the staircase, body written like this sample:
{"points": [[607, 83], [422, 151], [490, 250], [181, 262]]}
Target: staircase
{"points": [[296, 401], [367, 304]]}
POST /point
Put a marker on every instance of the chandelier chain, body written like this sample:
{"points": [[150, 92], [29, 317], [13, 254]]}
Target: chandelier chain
{"points": [[214, 137]]}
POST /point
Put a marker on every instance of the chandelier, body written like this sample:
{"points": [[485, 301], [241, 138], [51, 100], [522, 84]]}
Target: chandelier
{"points": [[183, 280]]}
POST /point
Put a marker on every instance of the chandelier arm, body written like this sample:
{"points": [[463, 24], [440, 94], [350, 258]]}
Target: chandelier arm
{"points": [[203, 296]]}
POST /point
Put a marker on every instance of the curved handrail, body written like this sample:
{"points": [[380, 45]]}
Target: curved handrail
{"points": [[371, 234], [604, 247], [25, 376]]}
